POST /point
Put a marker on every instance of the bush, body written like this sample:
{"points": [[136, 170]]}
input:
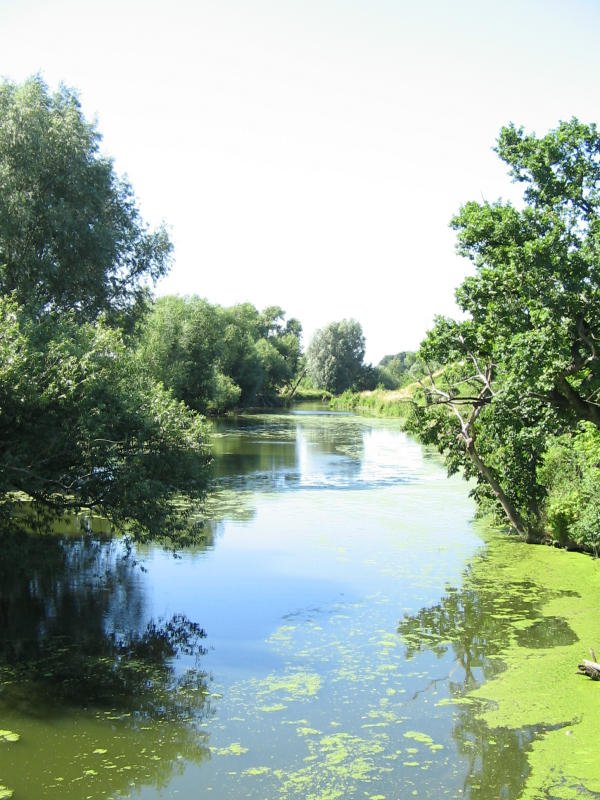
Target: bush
{"points": [[570, 474]]}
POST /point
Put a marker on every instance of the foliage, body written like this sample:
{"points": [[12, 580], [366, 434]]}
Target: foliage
{"points": [[523, 363], [261, 351], [334, 358], [534, 298], [71, 237], [180, 346], [378, 402], [570, 472], [82, 425], [399, 369], [216, 358]]}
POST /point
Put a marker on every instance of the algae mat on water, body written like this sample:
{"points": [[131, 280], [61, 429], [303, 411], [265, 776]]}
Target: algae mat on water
{"points": [[539, 685]]}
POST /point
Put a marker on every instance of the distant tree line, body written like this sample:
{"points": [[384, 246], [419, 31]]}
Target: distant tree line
{"points": [[215, 359]]}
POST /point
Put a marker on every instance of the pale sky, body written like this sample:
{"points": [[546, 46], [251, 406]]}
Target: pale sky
{"points": [[310, 153]]}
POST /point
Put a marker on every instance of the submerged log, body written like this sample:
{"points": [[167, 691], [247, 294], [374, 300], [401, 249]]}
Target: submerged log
{"points": [[590, 668]]}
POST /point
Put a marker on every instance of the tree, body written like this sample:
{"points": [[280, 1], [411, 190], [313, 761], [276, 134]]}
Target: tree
{"points": [[279, 351], [335, 356], [523, 364], [82, 425], [181, 346], [71, 237], [535, 295], [215, 358], [460, 409]]}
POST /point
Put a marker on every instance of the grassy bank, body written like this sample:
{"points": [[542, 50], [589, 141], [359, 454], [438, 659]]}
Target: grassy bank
{"points": [[379, 402]]}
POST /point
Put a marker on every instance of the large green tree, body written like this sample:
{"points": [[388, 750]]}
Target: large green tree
{"points": [[71, 236], [180, 345], [81, 423], [335, 356], [523, 363], [535, 295]]}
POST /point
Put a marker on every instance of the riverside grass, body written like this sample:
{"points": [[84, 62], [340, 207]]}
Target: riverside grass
{"points": [[377, 402]]}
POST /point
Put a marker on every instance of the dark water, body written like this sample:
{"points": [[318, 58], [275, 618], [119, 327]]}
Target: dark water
{"points": [[319, 646]]}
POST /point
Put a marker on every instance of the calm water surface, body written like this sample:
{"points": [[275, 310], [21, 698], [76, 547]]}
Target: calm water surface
{"points": [[315, 648]]}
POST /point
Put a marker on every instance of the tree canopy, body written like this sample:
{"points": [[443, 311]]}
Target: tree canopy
{"points": [[71, 236], [82, 425], [215, 358]]}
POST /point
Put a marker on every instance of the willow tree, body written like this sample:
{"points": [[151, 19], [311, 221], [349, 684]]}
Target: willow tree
{"points": [[335, 356], [71, 235], [80, 422]]}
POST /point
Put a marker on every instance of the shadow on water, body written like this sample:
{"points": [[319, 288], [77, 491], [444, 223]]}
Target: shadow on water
{"points": [[81, 662], [475, 623]]}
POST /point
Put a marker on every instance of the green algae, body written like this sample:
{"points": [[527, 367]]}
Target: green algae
{"points": [[342, 761], [9, 736], [539, 685], [418, 737], [293, 686], [233, 749], [307, 731]]}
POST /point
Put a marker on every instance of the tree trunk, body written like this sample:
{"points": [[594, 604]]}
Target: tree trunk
{"points": [[511, 512], [591, 668], [294, 388], [567, 397]]}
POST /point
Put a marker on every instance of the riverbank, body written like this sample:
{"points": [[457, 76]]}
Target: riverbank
{"points": [[378, 402]]}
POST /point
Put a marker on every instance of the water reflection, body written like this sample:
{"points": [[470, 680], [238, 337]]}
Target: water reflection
{"points": [[318, 695], [475, 623], [77, 648], [310, 450]]}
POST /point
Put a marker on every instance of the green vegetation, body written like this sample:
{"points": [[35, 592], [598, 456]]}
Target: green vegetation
{"points": [[397, 371], [510, 394], [515, 406], [82, 425], [517, 627], [335, 357], [101, 389], [71, 238], [388, 388], [377, 402], [215, 359]]}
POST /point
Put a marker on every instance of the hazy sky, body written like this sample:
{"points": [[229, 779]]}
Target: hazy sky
{"points": [[310, 153]]}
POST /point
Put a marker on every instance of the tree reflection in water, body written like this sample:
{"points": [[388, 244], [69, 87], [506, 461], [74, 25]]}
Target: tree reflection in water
{"points": [[476, 622], [76, 646]]}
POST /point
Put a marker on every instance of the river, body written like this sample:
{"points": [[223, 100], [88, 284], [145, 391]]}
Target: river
{"points": [[319, 646]]}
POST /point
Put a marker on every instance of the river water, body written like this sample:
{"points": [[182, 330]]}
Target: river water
{"points": [[317, 647]]}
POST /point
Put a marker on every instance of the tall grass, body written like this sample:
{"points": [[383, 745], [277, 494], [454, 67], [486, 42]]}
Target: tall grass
{"points": [[378, 402]]}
